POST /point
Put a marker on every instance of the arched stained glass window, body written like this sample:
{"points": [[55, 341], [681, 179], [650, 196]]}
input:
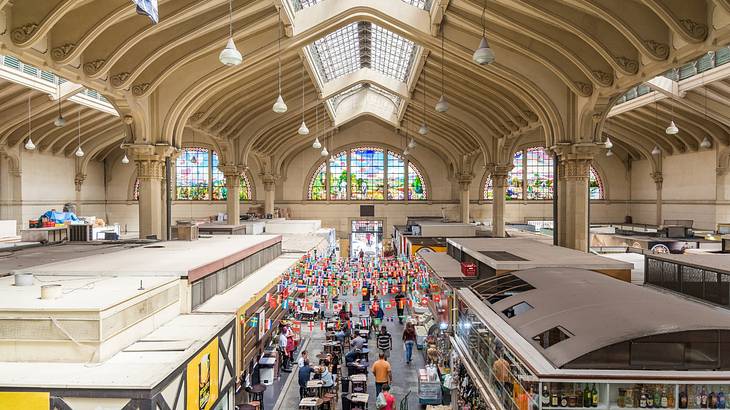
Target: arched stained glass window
{"points": [[318, 184], [533, 174], [416, 187], [396, 177], [366, 172], [135, 190], [338, 176], [198, 177]]}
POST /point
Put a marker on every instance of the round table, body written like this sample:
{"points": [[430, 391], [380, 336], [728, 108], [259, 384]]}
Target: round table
{"points": [[257, 393]]}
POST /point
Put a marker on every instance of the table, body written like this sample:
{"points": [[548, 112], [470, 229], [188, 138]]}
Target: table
{"points": [[314, 388], [359, 383], [222, 229], [257, 394], [359, 401], [310, 402]]}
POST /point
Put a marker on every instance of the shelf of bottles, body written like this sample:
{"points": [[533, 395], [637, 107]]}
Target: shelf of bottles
{"points": [[632, 396]]}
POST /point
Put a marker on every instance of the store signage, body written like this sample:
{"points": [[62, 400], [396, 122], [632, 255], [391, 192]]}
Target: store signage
{"points": [[25, 400], [202, 378]]}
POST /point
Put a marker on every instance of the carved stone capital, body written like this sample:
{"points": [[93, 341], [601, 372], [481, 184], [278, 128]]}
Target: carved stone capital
{"points": [[79, 179], [150, 160], [269, 181], [658, 178], [150, 169]]}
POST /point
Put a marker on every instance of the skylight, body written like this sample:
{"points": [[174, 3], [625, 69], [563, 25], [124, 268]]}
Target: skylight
{"points": [[301, 4], [362, 45]]}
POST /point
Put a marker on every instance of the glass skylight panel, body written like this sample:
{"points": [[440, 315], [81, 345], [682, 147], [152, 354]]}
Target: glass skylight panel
{"points": [[337, 53], [392, 54], [421, 4], [300, 4]]}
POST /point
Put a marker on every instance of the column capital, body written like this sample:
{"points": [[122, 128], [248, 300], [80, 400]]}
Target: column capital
{"points": [[232, 170], [578, 151], [79, 179], [658, 177], [269, 181], [464, 180]]}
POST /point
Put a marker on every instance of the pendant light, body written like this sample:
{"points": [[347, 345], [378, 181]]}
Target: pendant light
{"points": [[406, 151], [279, 106], [303, 130], [59, 121], [705, 143], [484, 54], [125, 160], [424, 127], [442, 105], [608, 143], [194, 159], [79, 152], [230, 56], [316, 144], [29, 144], [656, 151], [324, 152], [412, 143], [672, 128], [609, 153]]}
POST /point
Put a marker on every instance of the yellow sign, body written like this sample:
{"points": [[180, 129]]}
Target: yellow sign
{"points": [[24, 400], [202, 378]]}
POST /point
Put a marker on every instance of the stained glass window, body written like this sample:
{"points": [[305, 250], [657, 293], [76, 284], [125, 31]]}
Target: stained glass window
{"points": [[367, 170], [219, 180], [135, 191], [595, 185], [416, 187], [338, 176], [245, 193], [318, 185], [489, 189], [539, 174], [514, 178], [396, 176], [193, 171]]}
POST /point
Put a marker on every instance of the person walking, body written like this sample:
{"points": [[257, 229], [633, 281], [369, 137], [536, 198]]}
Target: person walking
{"points": [[388, 398], [409, 339], [383, 374], [385, 342], [400, 302], [305, 373]]}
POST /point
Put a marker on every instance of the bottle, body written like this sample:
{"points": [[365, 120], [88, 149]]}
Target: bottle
{"points": [[554, 400], [657, 397], [580, 402], [594, 394], [587, 397], [703, 398], [670, 399], [545, 395], [721, 399], [649, 399], [712, 400], [664, 400], [683, 401], [563, 399], [643, 400]]}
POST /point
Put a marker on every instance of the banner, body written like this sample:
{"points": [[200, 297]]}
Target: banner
{"points": [[202, 378], [148, 8]]}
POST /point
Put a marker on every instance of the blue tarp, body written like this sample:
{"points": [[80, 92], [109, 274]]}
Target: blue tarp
{"points": [[60, 217]]}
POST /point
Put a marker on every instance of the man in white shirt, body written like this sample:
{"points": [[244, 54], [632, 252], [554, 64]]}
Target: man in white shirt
{"points": [[282, 352]]}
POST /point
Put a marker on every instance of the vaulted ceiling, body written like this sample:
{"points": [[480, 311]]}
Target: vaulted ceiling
{"points": [[560, 67]]}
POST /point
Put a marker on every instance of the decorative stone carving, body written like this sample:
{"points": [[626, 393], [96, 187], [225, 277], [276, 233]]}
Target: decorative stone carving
{"points": [[79, 179], [584, 88], [23, 33], [197, 116], [694, 29], [150, 168], [118, 80], [659, 50], [530, 115], [629, 65], [574, 168], [603, 77], [93, 67], [658, 179], [61, 52], [140, 89]]}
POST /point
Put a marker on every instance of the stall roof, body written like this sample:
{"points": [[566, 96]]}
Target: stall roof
{"points": [[596, 310], [142, 365], [719, 262], [239, 295], [517, 253], [302, 243], [173, 258], [442, 264]]}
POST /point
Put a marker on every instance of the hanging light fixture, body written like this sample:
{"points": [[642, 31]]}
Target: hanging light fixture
{"points": [[412, 143], [406, 151], [230, 56], [672, 128], [424, 126], [656, 151], [705, 143], [324, 152], [79, 152], [125, 160], [316, 144], [59, 121], [29, 144], [303, 130], [279, 106], [484, 54], [442, 105], [194, 159], [608, 143], [609, 153]]}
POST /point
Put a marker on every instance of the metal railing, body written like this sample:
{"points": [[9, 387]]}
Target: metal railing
{"points": [[700, 282], [404, 402]]}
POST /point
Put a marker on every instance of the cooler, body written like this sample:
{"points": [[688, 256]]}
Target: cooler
{"points": [[266, 370]]}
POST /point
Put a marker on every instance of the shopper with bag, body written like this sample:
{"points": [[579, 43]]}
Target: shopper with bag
{"points": [[409, 339], [385, 400]]}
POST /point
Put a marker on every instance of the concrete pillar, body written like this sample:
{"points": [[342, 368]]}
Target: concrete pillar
{"points": [[150, 162], [499, 187], [658, 181], [574, 162], [269, 193], [464, 185], [78, 183], [233, 186]]}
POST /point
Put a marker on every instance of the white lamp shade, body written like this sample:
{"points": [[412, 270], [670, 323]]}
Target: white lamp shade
{"points": [[303, 130], [280, 106], [406, 152], [424, 129], [484, 54], [79, 152], [672, 128], [29, 145], [412, 143], [442, 105], [609, 153], [705, 143], [230, 56], [656, 151], [317, 144], [324, 152], [125, 160], [59, 121], [608, 143]]}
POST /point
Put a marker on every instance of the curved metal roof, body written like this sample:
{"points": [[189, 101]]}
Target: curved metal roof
{"points": [[599, 311]]}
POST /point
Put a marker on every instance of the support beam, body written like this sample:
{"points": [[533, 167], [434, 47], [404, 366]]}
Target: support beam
{"points": [[269, 193], [464, 186], [499, 187]]}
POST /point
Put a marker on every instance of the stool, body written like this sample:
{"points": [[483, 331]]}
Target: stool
{"points": [[309, 403], [327, 401]]}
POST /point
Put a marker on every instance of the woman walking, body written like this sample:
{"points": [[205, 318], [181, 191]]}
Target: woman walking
{"points": [[409, 339]]}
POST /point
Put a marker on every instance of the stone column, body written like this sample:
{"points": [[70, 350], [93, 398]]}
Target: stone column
{"points": [[499, 187], [658, 181], [574, 162], [269, 193], [150, 162], [232, 174], [464, 185], [79, 179]]}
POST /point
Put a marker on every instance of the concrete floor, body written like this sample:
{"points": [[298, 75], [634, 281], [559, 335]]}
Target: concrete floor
{"points": [[405, 376]]}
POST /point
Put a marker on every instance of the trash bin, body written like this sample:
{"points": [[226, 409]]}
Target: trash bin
{"points": [[266, 370], [346, 403], [345, 383]]}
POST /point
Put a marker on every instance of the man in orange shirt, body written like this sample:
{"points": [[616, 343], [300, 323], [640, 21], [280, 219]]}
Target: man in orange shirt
{"points": [[501, 370], [382, 372]]}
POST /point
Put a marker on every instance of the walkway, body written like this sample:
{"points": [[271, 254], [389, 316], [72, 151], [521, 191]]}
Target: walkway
{"points": [[405, 376]]}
